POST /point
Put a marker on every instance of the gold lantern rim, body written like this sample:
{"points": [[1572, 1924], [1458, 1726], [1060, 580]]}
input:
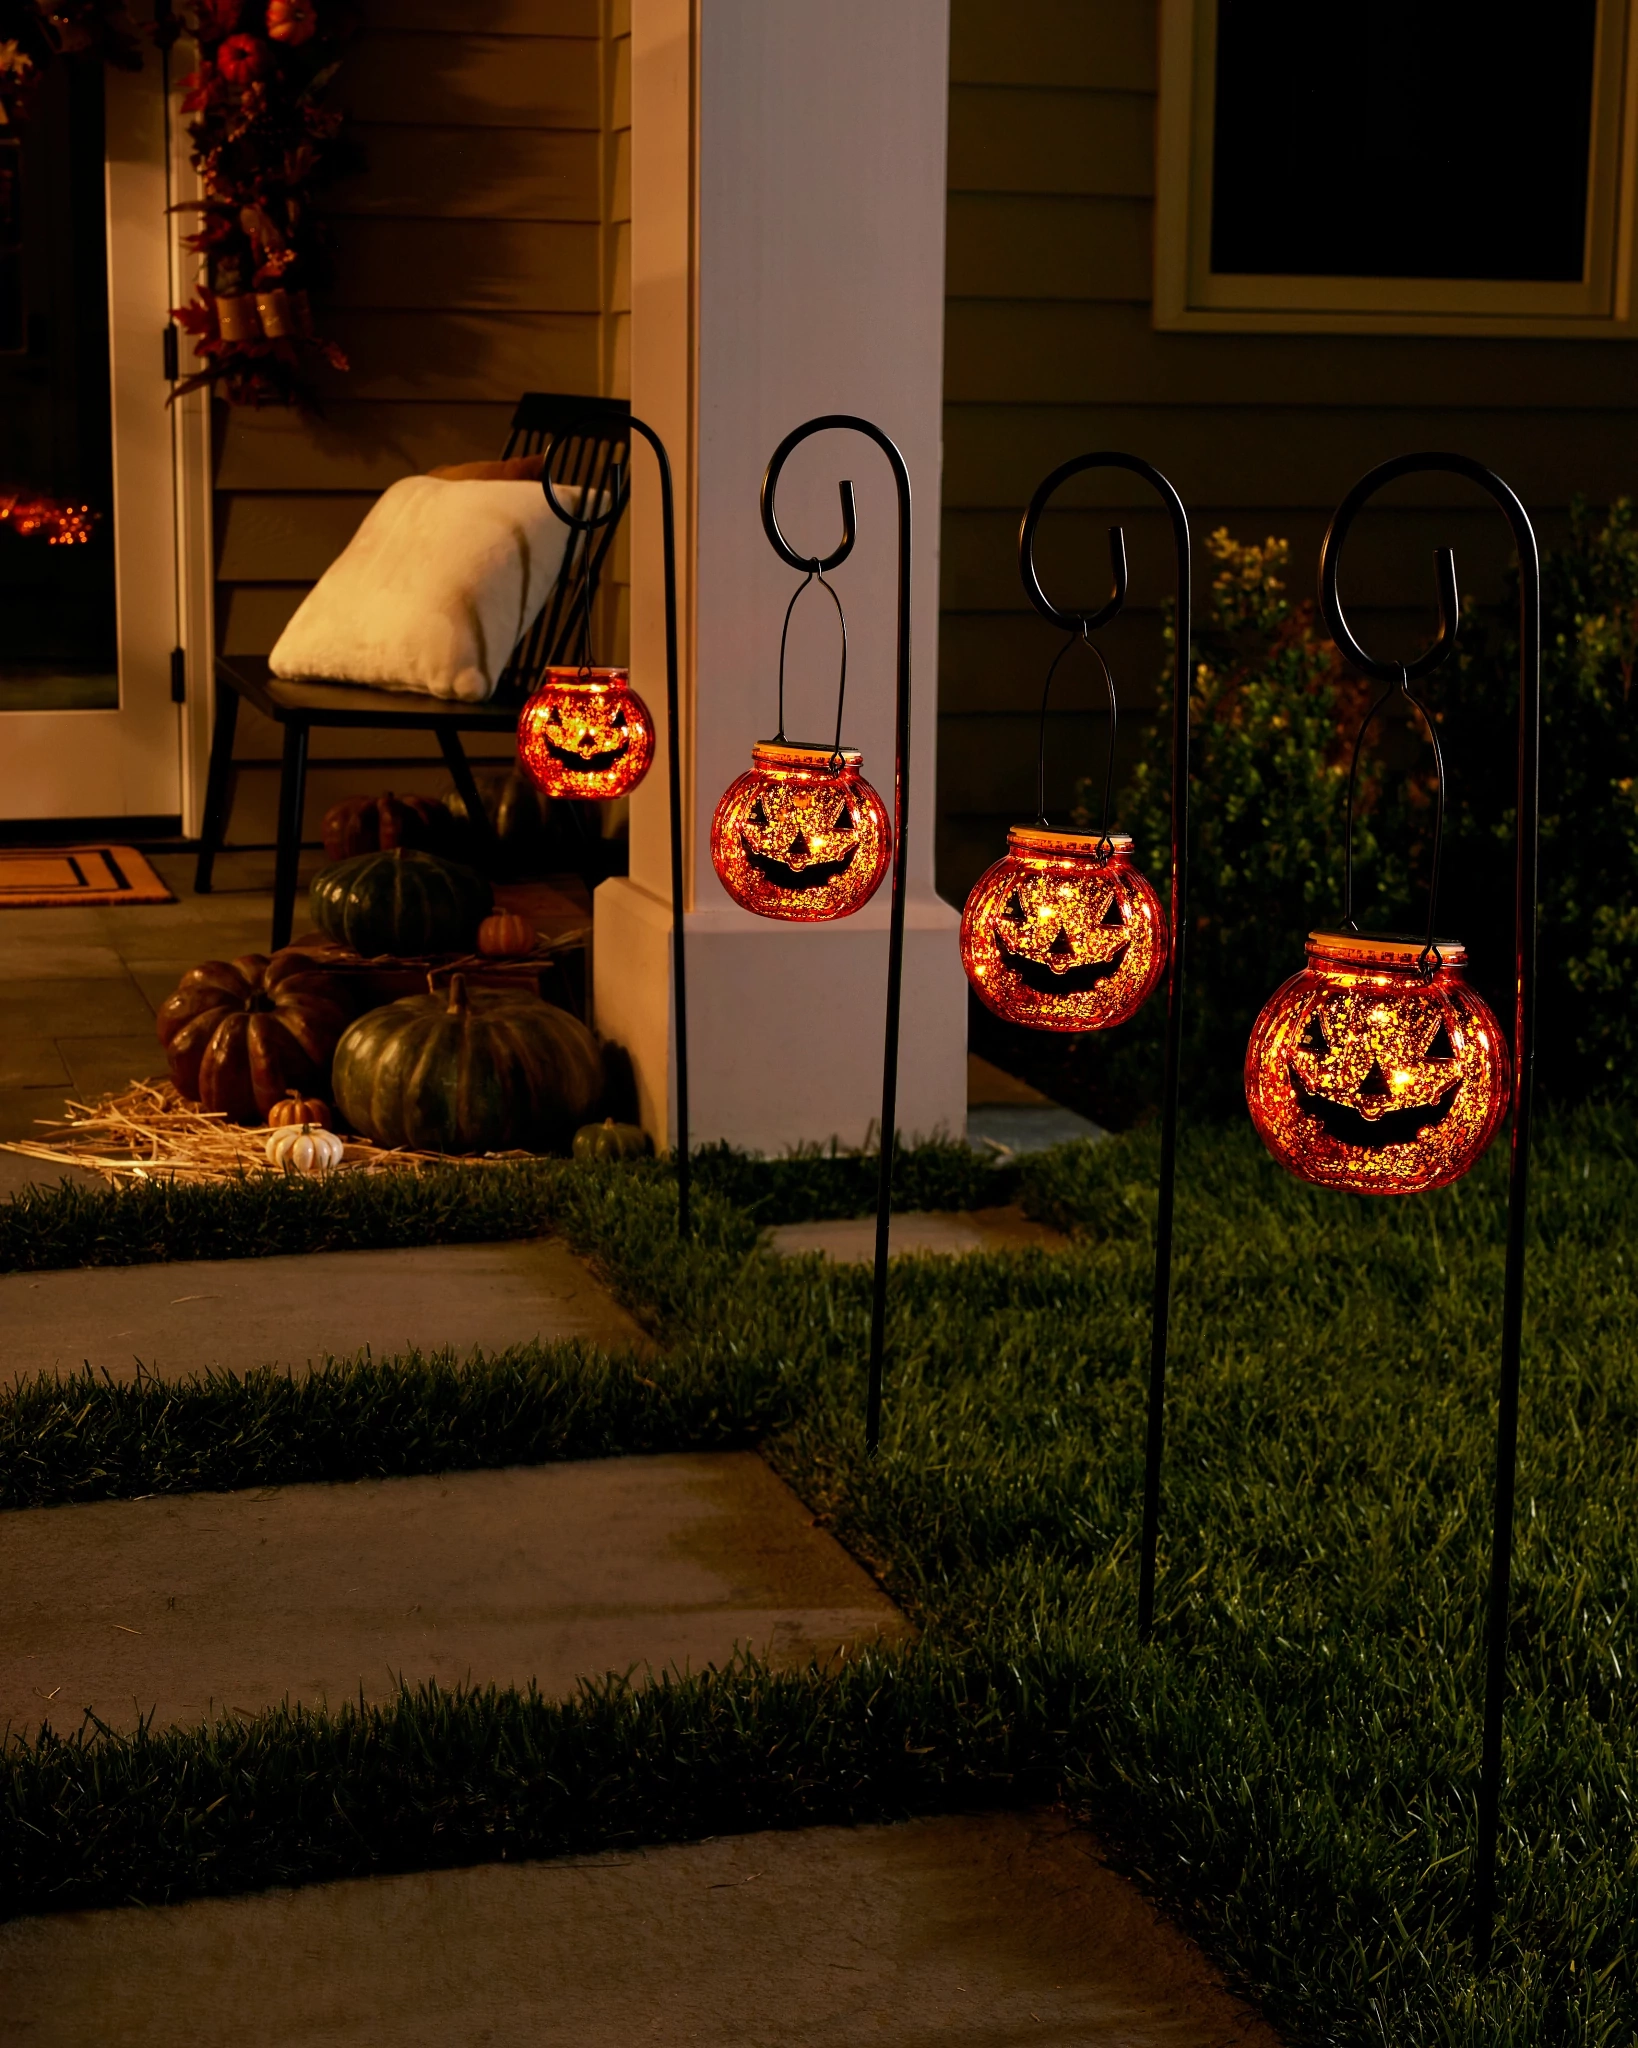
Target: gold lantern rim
{"points": [[1383, 949], [797, 754], [1067, 845], [560, 673]]}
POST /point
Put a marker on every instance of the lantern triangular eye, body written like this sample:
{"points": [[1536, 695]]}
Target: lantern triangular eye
{"points": [[799, 847], [618, 721], [845, 820], [758, 815], [1115, 914], [1313, 1037], [1060, 949], [1014, 912], [1441, 1048], [1375, 1082]]}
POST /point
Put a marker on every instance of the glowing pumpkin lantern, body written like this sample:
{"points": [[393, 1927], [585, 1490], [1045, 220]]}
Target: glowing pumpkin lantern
{"points": [[586, 733], [1063, 933], [1377, 1068], [801, 835]]}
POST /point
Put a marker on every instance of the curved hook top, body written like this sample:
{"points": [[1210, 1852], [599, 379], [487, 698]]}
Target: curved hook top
{"points": [[578, 521], [1443, 644], [850, 532], [1089, 622]]}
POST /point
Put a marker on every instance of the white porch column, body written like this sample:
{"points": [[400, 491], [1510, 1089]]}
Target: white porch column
{"points": [[788, 198]]}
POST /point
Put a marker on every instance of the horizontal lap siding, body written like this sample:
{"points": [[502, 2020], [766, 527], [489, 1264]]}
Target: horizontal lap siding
{"points": [[475, 258], [1050, 351]]}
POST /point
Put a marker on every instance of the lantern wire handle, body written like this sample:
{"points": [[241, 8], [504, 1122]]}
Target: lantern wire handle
{"points": [[1088, 623], [1429, 959], [815, 574], [1526, 848], [1083, 638]]}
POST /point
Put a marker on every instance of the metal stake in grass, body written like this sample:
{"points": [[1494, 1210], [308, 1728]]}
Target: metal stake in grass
{"points": [[1524, 981]]}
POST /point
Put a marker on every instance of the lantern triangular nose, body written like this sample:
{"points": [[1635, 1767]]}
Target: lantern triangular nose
{"points": [[1060, 949], [1375, 1082], [799, 846]]}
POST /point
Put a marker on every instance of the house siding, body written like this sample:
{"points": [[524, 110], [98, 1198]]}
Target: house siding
{"points": [[1050, 351], [477, 256]]}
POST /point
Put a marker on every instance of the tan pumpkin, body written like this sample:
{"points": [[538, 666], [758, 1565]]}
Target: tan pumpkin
{"points": [[297, 1108], [506, 932]]}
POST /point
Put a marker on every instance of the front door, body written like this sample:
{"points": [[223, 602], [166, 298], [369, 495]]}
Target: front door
{"points": [[88, 582]]}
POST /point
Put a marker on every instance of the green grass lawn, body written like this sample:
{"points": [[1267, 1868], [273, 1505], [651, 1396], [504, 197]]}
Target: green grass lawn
{"points": [[1292, 1762]]}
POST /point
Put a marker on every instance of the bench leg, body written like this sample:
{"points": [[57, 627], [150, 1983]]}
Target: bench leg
{"points": [[292, 791], [460, 773], [218, 787]]}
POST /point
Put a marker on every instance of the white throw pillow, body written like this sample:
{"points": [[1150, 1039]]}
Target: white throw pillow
{"points": [[433, 592]]}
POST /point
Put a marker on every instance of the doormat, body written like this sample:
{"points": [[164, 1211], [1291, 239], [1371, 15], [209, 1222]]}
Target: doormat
{"points": [[45, 877]]}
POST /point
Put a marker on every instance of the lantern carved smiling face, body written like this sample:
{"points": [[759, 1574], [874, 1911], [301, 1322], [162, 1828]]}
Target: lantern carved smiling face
{"points": [[586, 733], [802, 835], [1061, 936], [1364, 1072]]}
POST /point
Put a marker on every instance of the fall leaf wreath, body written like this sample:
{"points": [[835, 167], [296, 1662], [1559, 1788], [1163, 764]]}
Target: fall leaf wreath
{"points": [[264, 144]]}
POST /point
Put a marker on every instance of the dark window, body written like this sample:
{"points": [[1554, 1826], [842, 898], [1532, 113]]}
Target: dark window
{"points": [[1403, 138]]}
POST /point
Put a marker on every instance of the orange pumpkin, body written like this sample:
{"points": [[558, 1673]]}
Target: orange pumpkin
{"points": [[505, 932], [297, 1108], [291, 21]]}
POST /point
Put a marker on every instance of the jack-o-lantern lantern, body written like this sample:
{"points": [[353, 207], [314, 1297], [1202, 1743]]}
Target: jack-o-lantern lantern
{"points": [[1063, 933], [1373, 1071], [802, 835], [586, 732]]}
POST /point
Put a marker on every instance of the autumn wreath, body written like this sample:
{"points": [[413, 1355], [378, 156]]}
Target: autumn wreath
{"points": [[263, 143]]}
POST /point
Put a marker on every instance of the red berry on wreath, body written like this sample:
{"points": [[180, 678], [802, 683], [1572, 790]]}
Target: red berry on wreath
{"points": [[291, 21], [242, 59]]}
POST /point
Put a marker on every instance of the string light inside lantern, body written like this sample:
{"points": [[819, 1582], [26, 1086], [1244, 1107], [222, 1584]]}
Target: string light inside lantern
{"points": [[802, 835], [586, 733], [1377, 1068], [1064, 933]]}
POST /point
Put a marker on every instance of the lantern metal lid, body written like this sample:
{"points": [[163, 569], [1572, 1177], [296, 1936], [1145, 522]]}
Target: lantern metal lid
{"points": [[1047, 841], [803, 754], [1384, 949]]}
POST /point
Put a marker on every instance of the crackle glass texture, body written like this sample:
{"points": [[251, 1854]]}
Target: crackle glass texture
{"points": [[586, 733], [1061, 938], [801, 836], [1364, 1073]]}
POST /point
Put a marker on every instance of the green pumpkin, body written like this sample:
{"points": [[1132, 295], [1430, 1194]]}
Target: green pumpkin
{"points": [[467, 1071], [609, 1140], [400, 902]]}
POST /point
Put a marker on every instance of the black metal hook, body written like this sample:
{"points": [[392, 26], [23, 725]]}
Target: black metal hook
{"points": [[816, 564], [1070, 621], [1443, 645], [579, 521]]}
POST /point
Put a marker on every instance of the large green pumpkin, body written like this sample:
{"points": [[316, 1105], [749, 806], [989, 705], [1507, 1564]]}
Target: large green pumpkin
{"points": [[468, 1071], [400, 902]]}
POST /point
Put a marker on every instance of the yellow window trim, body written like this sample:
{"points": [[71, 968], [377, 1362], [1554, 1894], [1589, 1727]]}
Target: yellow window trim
{"points": [[1188, 295]]}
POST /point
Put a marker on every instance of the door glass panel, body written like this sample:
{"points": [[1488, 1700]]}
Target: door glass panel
{"points": [[58, 645]]}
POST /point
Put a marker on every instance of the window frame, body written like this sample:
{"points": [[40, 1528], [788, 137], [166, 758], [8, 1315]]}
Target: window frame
{"points": [[1190, 295]]}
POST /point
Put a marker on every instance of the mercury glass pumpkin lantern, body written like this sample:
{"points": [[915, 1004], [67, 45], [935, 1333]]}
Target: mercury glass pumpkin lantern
{"points": [[1064, 933], [586, 733], [802, 835], [1377, 1068]]}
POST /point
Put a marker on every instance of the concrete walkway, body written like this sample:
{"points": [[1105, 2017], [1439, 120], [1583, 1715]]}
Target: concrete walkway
{"points": [[237, 1313], [978, 1932], [209, 1603], [853, 1238]]}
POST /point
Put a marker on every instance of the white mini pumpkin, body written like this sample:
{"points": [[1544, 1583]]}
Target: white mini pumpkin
{"points": [[305, 1147]]}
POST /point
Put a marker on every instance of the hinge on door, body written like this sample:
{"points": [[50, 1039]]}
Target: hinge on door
{"points": [[179, 676], [173, 358]]}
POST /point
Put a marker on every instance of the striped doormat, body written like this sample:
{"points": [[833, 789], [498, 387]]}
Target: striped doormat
{"points": [[45, 877]]}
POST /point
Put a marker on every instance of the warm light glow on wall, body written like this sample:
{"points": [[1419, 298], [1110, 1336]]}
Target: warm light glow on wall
{"points": [[1063, 933], [586, 733], [1364, 1072], [801, 835]]}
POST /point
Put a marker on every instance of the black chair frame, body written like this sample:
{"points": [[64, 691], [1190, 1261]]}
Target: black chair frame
{"points": [[593, 438]]}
